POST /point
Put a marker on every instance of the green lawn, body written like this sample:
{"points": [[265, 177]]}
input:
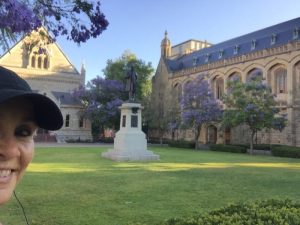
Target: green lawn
{"points": [[75, 186]]}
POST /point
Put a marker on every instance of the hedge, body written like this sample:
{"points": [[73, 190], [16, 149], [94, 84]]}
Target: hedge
{"points": [[182, 144], [228, 148], [106, 140], [265, 212], [286, 151]]}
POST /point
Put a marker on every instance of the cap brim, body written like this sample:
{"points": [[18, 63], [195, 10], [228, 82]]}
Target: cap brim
{"points": [[48, 115]]}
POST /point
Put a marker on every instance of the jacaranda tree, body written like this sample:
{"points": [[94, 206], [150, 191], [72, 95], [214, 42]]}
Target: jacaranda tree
{"points": [[199, 106], [101, 99], [253, 104], [78, 20]]}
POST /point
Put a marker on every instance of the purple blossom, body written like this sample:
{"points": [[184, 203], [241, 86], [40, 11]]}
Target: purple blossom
{"points": [[198, 104], [78, 20], [17, 17], [101, 99]]}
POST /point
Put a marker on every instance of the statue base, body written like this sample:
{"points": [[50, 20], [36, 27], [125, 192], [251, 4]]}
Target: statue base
{"points": [[130, 143]]}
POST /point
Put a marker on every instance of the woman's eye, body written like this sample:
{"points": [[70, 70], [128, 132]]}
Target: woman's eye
{"points": [[24, 131]]}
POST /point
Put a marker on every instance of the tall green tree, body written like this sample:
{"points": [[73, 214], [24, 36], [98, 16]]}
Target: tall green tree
{"points": [[118, 68], [252, 103]]}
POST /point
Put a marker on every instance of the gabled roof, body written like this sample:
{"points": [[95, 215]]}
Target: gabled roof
{"points": [[282, 32], [6, 56], [66, 98]]}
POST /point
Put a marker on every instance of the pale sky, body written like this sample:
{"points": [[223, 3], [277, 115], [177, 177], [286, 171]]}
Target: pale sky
{"points": [[139, 26]]}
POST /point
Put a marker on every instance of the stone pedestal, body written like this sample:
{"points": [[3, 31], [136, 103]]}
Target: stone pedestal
{"points": [[130, 142]]}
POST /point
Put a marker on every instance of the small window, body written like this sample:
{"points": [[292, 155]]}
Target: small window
{"points": [[221, 53], [236, 49], [33, 61], [273, 39], [40, 62], [67, 123], [81, 121], [207, 57], [296, 33], [253, 44]]}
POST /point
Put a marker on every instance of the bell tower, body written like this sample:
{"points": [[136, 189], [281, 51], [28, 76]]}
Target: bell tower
{"points": [[165, 46]]}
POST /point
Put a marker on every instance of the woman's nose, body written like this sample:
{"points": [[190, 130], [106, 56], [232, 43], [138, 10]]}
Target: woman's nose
{"points": [[8, 147]]}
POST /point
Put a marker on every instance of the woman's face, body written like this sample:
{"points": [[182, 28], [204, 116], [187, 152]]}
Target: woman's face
{"points": [[17, 128]]}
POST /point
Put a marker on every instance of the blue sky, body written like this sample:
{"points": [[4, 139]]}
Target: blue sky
{"points": [[139, 26]]}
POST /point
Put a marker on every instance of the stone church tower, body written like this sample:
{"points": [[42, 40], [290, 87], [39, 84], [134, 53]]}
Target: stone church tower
{"points": [[42, 63], [165, 46]]}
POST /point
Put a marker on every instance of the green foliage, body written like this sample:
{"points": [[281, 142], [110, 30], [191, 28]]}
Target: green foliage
{"points": [[265, 212], [251, 103], [265, 147], [117, 69], [182, 144], [286, 151], [228, 148]]}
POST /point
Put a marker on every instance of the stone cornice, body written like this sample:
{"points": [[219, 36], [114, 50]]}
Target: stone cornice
{"points": [[69, 81], [287, 48]]}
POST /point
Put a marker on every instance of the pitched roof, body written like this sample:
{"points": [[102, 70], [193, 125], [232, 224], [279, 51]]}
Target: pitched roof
{"points": [[65, 98], [282, 33]]}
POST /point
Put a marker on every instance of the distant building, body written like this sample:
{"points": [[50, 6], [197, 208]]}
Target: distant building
{"points": [[273, 52], [49, 72]]}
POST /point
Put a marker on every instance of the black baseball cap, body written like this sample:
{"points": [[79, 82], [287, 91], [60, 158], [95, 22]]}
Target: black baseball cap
{"points": [[47, 113]]}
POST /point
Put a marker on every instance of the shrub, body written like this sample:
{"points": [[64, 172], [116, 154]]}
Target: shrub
{"points": [[78, 140], [154, 140], [182, 144], [286, 151], [228, 148], [269, 212], [106, 140]]}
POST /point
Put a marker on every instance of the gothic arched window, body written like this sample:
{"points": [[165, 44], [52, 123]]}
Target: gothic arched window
{"points": [[234, 77], [219, 88], [217, 85], [39, 62], [46, 65], [178, 91], [33, 61], [280, 80], [254, 74]]}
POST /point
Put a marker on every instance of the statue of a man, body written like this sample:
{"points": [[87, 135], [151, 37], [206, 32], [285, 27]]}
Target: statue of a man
{"points": [[131, 81]]}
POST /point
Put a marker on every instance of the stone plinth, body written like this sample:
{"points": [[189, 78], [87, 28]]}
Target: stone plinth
{"points": [[130, 143]]}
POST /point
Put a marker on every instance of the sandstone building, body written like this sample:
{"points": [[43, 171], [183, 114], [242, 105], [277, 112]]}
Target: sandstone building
{"points": [[48, 71], [273, 52]]}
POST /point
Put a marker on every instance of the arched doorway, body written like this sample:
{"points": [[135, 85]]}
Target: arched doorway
{"points": [[227, 136], [212, 134]]}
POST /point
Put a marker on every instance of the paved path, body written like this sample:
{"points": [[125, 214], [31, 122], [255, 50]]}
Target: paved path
{"points": [[51, 144]]}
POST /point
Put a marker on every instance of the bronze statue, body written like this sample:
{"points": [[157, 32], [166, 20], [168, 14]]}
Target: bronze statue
{"points": [[131, 81]]}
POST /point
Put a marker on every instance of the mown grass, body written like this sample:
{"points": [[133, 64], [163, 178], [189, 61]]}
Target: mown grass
{"points": [[75, 186]]}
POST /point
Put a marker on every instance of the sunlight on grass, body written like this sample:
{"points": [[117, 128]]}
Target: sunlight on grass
{"points": [[80, 168], [58, 167], [188, 166]]}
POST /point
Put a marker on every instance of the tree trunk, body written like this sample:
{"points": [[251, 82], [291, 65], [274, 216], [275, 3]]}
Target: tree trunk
{"points": [[251, 142], [197, 133], [161, 137]]}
